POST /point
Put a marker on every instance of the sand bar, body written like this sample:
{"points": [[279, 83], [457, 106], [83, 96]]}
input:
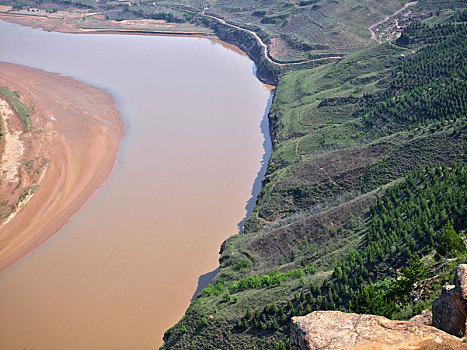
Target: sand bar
{"points": [[77, 130]]}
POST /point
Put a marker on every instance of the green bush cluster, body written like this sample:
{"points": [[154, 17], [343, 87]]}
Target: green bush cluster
{"points": [[274, 278], [450, 243]]}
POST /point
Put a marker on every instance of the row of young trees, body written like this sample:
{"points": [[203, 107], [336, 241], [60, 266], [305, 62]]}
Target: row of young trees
{"points": [[430, 85], [414, 217], [409, 220], [419, 33]]}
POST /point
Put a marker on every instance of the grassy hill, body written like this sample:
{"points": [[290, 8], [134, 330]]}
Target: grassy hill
{"points": [[366, 178]]}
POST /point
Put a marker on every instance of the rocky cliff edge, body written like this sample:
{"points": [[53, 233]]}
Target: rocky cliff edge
{"points": [[334, 330]]}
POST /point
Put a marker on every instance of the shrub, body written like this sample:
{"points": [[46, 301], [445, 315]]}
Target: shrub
{"points": [[450, 243]]}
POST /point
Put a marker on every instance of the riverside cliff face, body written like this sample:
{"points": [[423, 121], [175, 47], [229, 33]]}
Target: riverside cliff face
{"points": [[267, 72]]}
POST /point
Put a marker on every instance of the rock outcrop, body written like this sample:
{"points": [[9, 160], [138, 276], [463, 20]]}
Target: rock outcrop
{"points": [[460, 280], [334, 330], [450, 308], [425, 318], [266, 72]]}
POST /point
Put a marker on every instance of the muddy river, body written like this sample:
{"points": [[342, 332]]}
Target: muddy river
{"points": [[124, 269]]}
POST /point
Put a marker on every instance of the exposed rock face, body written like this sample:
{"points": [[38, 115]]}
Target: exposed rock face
{"points": [[266, 72], [448, 313], [424, 318], [450, 308], [460, 280], [334, 330]]}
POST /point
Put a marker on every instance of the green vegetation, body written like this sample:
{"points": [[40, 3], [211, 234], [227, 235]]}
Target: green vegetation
{"points": [[389, 115], [366, 184], [22, 111], [450, 244], [438, 68], [274, 278]]}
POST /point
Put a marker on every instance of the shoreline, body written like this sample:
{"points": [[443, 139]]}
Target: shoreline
{"points": [[61, 26], [67, 112], [34, 241], [237, 39], [255, 186], [58, 238]]}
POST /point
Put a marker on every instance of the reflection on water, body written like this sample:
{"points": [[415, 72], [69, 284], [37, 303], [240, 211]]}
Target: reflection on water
{"points": [[267, 146], [203, 281], [124, 269]]}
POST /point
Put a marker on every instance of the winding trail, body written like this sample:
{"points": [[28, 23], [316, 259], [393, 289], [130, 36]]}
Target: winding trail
{"points": [[266, 54], [374, 25]]}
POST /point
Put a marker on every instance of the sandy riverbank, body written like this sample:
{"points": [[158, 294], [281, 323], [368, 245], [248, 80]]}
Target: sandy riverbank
{"points": [[77, 131], [86, 22]]}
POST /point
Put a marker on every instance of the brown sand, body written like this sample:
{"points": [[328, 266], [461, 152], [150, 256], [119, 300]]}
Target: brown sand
{"points": [[78, 132]]}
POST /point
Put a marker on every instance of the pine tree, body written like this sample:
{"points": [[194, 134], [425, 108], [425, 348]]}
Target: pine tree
{"points": [[450, 244], [248, 314]]}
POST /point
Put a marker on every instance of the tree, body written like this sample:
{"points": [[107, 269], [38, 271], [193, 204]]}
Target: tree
{"points": [[371, 301], [415, 271], [226, 296], [248, 314], [450, 243]]}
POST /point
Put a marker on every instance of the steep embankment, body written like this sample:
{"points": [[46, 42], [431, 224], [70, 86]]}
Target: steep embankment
{"points": [[62, 157]]}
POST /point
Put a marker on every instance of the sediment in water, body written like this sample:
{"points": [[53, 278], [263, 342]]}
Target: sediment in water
{"points": [[78, 130]]}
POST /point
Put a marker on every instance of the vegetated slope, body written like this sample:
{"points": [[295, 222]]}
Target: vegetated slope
{"points": [[384, 113], [300, 29], [365, 195]]}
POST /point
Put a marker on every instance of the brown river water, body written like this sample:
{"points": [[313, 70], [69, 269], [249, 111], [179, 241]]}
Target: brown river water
{"points": [[123, 270]]}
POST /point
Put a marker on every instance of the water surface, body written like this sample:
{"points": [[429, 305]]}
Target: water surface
{"points": [[124, 269]]}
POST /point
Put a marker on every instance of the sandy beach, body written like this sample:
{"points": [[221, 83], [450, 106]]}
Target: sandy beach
{"points": [[72, 147]]}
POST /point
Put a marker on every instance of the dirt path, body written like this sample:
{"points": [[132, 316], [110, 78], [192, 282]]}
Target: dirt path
{"points": [[78, 132], [370, 28], [266, 54]]}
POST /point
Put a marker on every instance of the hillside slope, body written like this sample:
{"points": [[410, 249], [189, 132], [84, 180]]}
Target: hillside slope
{"points": [[366, 180]]}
